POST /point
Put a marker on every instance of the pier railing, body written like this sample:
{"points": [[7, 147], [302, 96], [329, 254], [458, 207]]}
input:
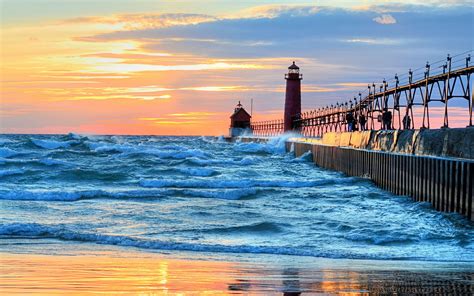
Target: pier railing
{"points": [[391, 104], [268, 128]]}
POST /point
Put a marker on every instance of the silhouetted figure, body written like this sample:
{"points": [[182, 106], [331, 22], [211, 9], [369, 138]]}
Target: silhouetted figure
{"points": [[386, 119], [350, 121], [406, 122], [362, 122], [355, 126]]}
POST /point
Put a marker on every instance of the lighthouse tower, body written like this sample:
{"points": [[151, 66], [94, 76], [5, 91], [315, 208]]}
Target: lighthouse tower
{"points": [[293, 95]]}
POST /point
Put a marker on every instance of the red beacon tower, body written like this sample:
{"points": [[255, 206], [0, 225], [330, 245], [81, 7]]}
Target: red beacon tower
{"points": [[239, 121], [293, 96]]}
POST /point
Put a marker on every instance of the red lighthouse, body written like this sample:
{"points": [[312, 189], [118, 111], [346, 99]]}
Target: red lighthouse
{"points": [[293, 96]]}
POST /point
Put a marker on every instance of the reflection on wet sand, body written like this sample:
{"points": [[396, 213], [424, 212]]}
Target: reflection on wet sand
{"points": [[155, 274], [360, 282]]}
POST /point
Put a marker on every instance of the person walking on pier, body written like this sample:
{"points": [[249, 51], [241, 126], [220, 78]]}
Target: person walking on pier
{"points": [[362, 122], [406, 122], [386, 119], [350, 121]]}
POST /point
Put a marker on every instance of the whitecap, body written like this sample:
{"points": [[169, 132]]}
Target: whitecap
{"points": [[273, 145], [51, 144], [126, 150]]}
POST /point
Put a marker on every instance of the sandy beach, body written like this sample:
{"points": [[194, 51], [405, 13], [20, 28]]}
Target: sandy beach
{"points": [[88, 269]]}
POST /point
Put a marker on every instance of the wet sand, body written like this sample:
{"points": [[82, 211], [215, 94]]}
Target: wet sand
{"points": [[128, 272]]}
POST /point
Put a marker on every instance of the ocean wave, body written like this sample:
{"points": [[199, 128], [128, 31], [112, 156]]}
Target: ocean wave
{"points": [[382, 239], [213, 140], [255, 228], [62, 232], [305, 157], [64, 195], [172, 147], [43, 161], [52, 162], [247, 160], [222, 194], [93, 174], [5, 141], [254, 147], [51, 144], [274, 145], [244, 183], [74, 136], [127, 150], [4, 173], [7, 152], [43, 195], [197, 172]]}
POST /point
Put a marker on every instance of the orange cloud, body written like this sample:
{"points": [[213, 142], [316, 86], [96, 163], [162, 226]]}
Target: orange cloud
{"points": [[144, 21]]}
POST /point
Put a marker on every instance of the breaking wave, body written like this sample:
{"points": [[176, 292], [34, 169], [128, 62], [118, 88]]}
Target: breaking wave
{"points": [[50, 144], [244, 183], [61, 232]]}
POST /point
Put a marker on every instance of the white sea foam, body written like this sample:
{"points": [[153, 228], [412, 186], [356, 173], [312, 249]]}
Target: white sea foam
{"points": [[307, 156], [274, 145]]}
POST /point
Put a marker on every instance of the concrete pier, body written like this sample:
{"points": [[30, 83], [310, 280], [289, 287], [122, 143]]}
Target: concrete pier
{"points": [[435, 166]]}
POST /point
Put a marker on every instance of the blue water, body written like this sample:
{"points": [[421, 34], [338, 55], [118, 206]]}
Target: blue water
{"points": [[206, 195]]}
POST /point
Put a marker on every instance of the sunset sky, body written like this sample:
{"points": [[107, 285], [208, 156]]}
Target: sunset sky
{"points": [[180, 67]]}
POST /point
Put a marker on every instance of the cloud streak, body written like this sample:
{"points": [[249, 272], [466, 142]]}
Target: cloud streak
{"points": [[144, 21], [385, 19]]}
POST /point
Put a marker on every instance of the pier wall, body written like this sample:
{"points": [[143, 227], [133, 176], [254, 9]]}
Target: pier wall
{"points": [[434, 166]]}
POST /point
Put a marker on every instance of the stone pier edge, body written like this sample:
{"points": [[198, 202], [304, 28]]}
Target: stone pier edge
{"points": [[434, 166]]}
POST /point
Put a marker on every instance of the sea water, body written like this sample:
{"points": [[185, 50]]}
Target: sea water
{"points": [[198, 194]]}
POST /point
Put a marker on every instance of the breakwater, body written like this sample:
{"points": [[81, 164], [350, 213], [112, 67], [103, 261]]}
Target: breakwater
{"points": [[434, 166]]}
